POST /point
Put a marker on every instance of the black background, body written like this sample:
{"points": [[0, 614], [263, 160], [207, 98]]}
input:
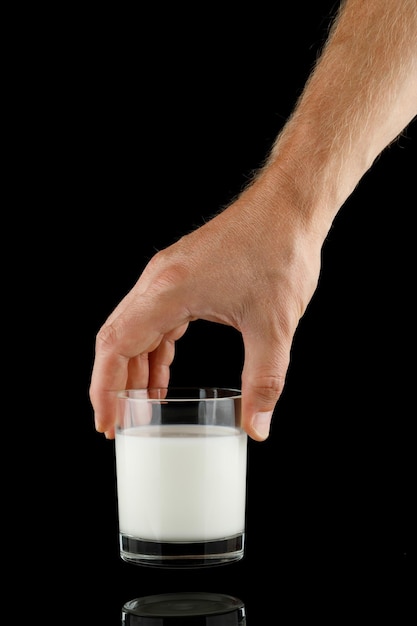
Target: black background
{"points": [[152, 123]]}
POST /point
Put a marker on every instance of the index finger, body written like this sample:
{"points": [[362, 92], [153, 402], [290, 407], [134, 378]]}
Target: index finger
{"points": [[117, 344]]}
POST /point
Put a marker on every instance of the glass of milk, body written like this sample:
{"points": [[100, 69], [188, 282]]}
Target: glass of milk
{"points": [[181, 459]]}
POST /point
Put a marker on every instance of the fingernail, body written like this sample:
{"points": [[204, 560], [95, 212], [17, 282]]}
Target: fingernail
{"points": [[262, 423], [98, 427]]}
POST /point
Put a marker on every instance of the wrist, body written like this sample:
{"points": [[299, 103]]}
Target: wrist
{"points": [[301, 188]]}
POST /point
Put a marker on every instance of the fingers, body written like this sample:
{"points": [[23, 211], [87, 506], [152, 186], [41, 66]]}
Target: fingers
{"points": [[161, 359], [121, 358], [109, 375], [263, 379], [140, 359]]}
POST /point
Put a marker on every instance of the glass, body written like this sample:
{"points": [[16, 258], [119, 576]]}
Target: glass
{"points": [[184, 608], [181, 461]]}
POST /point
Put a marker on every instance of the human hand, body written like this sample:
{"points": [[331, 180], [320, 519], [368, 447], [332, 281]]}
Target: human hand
{"points": [[254, 267]]}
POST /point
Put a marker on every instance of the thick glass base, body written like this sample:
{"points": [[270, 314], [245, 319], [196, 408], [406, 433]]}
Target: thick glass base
{"points": [[179, 554]]}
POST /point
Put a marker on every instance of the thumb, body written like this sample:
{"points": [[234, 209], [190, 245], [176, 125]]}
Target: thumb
{"points": [[263, 380]]}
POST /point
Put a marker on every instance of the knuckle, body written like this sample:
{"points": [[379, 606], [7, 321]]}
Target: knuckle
{"points": [[106, 337], [269, 387]]}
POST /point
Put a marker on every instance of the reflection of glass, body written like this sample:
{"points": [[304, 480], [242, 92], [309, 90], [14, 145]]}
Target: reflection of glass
{"points": [[181, 476], [187, 609]]}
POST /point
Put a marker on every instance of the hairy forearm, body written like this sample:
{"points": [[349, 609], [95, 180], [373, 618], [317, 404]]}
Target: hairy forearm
{"points": [[359, 98]]}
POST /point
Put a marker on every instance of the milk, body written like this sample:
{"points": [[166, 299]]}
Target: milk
{"points": [[181, 483]]}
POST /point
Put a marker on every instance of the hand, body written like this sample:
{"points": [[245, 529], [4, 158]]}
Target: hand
{"points": [[254, 267]]}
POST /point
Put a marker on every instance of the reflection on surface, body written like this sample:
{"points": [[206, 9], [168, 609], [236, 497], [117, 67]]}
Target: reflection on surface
{"points": [[188, 608]]}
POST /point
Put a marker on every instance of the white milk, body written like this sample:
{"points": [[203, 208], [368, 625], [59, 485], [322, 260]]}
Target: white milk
{"points": [[181, 483]]}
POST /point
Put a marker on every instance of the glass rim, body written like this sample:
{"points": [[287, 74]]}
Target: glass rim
{"points": [[163, 393]]}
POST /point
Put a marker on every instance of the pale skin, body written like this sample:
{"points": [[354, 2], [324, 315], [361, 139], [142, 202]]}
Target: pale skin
{"points": [[255, 266]]}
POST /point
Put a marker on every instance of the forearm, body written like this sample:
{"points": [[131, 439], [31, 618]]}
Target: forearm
{"points": [[359, 98]]}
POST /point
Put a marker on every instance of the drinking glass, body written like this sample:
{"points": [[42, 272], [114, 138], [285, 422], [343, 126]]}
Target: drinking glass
{"points": [[181, 470], [186, 609]]}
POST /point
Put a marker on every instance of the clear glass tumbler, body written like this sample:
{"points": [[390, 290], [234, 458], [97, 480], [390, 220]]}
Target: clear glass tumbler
{"points": [[181, 469]]}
